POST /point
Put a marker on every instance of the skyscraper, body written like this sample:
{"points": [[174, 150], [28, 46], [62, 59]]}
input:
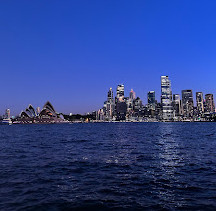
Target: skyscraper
{"points": [[176, 105], [120, 92], [209, 101], [166, 98], [187, 103], [199, 101], [110, 105], [110, 95], [137, 105], [132, 95], [121, 106], [151, 100], [121, 109], [130, 102]]}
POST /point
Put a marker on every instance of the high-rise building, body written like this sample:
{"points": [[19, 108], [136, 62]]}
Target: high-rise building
{"points": [[110, 95], [121, 110], [121, 106], [130, 102], [199, 101], [151, 100], [176, 105], [166, 98], [209, 101], [132, 95], [187, 103], [110, 105], [137, 106], [120, 93]]}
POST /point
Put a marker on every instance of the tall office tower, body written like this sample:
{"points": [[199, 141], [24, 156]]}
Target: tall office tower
{"points": [[130, 101], [110, 95], [132, 95], [120, 104], [120, 93], [199, 101], [7, 113], [176, 105], [137, 107], [166, 98], [209, 100], [110, 105], [121, 110], [187, 103], [151, 100]]}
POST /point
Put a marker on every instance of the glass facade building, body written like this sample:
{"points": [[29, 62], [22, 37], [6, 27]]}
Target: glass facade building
{"points": [[176, 105], [187, 103], [120, 92], [166, 98], [209, 101], [199, 101], [151, 100]]}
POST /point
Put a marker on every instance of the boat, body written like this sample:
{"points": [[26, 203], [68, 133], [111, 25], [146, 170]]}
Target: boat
{"points": [[6, 122]]}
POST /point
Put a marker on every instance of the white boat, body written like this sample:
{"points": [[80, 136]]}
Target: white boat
{"points": [[6, 122]]}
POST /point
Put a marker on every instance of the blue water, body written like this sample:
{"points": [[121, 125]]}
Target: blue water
{"points": [[108, 166]]}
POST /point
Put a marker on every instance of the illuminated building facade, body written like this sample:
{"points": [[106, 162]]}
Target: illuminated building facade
{"points": [[187, 103], [166, 99]]}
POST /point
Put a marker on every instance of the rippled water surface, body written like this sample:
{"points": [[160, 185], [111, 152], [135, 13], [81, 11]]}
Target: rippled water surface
{"points": [[146, 166]]}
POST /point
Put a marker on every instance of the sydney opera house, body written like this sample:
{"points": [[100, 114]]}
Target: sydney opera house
{"points": [[46, 116]]}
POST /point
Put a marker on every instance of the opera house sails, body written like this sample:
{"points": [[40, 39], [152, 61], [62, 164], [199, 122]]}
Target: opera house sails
{"points": [[45, 116]]}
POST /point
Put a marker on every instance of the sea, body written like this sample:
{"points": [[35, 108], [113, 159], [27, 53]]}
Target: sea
{"points": [[108, 166]]}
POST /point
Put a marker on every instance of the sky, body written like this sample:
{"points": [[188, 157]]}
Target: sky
{"points": [[71, 52]]}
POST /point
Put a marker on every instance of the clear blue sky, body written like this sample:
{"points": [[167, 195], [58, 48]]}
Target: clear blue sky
{"points": [[71, 52]]}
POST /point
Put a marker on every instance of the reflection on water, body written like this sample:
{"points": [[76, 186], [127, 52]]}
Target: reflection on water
{"points": [[170, 159], [151, 166]]}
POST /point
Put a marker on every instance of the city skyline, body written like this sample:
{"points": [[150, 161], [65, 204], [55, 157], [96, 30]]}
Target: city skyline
{"points": [[171, 106], [70, 52], [144, 99]]}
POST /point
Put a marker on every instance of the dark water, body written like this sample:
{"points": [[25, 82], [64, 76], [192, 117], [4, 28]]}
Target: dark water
{"points": [[146, 166]]}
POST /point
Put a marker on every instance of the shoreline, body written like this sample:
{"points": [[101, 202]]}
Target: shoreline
{"points": [[106, 122]]}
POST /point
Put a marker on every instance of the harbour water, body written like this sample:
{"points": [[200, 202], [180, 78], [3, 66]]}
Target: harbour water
{"points": [[108, 166]]}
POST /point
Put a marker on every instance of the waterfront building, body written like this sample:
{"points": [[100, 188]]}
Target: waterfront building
{"points": [[209, 101], [166, 98], [176, 105], [110, 105], [121, 110], [100, 115], [120, 93], [187, 103], [151, 100], [46, 115], [6, 118], [137, 106], [200, 104]]}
